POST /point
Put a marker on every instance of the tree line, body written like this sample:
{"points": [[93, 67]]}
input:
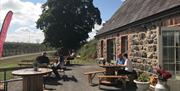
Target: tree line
{"points": [[13, 48]]}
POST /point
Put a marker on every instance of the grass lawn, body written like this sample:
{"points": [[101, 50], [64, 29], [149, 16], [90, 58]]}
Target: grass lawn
{"points": [[13, 62]]}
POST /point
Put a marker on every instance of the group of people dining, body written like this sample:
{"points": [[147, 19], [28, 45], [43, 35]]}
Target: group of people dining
{"points": [[122, 60], [59, 61], [122, 65]]}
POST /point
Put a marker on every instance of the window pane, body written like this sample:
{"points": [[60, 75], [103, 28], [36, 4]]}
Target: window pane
{"points": [[171, 51], [102, 48], [168, 38], [124, 44], [178, 39], [178, 69], [178, 54], [111, 50], [168, 54], [170, 67]]}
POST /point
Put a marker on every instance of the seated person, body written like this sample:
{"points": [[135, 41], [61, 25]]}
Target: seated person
{"points": [[120, 61], [102, 60], [61, 62], [58, 65], [43, 60], [71, 56], [128, 65]]}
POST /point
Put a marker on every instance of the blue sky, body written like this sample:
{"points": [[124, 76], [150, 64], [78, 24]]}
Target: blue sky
{"points": [[106, 7], [26, 13]]}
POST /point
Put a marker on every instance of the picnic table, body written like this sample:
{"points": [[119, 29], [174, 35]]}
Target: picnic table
{"points": [[32, 80], [92, 74], [111, 74], [111, 68]]}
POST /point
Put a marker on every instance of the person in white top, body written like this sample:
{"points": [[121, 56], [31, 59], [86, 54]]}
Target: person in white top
{"points": [[128, 65]]}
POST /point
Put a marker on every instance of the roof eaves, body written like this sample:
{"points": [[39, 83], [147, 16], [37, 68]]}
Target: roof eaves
{"points": [[151, 18]]}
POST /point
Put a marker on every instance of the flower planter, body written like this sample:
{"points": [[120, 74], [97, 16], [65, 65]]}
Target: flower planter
{"points": [[1, 87], [142, 86], [162, 86]]}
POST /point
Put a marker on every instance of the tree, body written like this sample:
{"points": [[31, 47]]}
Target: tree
{"points": [[66, 23]]}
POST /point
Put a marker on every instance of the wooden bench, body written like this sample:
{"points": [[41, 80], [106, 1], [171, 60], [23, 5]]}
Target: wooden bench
{"points": [[25, 63], [22, 64], [119, 77], [92, 74]]}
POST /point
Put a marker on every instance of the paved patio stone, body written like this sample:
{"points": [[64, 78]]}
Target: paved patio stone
{"points": [[74, 80]]}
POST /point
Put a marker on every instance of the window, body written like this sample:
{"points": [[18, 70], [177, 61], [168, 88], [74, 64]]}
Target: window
{"points": [[171, 50], [102, 48], [111, 50], [124, 44]]}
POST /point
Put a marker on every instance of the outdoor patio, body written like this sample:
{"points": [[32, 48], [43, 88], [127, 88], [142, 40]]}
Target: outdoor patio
{"points": [[74, 80]]}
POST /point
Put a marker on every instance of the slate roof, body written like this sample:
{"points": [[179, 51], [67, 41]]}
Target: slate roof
{"points": [[135, 10]]}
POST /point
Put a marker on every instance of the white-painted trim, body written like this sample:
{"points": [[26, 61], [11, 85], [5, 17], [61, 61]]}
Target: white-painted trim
{"points": [[160, 46]]}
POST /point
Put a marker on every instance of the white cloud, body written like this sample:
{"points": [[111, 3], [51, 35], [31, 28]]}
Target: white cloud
{"points": [[94, 31], [23, 27], [24, 18], [24, 34]]}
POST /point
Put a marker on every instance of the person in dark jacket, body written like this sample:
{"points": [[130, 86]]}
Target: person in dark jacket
{"points": [[43, 59]]}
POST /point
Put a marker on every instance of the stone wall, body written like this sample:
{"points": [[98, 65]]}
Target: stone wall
{"points": [[143, 51], [142, 42], [142, 46]]}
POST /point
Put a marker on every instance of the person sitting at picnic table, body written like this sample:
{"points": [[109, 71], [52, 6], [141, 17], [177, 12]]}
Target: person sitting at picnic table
{"points": [[59, 64], [43, 60], [71, 56], [120, 61], [128, 65]]}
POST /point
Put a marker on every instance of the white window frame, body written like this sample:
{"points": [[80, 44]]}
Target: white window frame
{"points": [[162, 29]]}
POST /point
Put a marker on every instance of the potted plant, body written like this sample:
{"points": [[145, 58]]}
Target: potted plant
{"points": [[35, 66], [163, 76], [142, 82]]}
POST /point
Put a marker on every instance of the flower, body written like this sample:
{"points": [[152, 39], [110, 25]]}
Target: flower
{"points": [[153, 80], [163, 75]]}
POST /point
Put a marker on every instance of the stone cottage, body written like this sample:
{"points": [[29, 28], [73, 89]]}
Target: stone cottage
{"points": [[148, 30]]}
